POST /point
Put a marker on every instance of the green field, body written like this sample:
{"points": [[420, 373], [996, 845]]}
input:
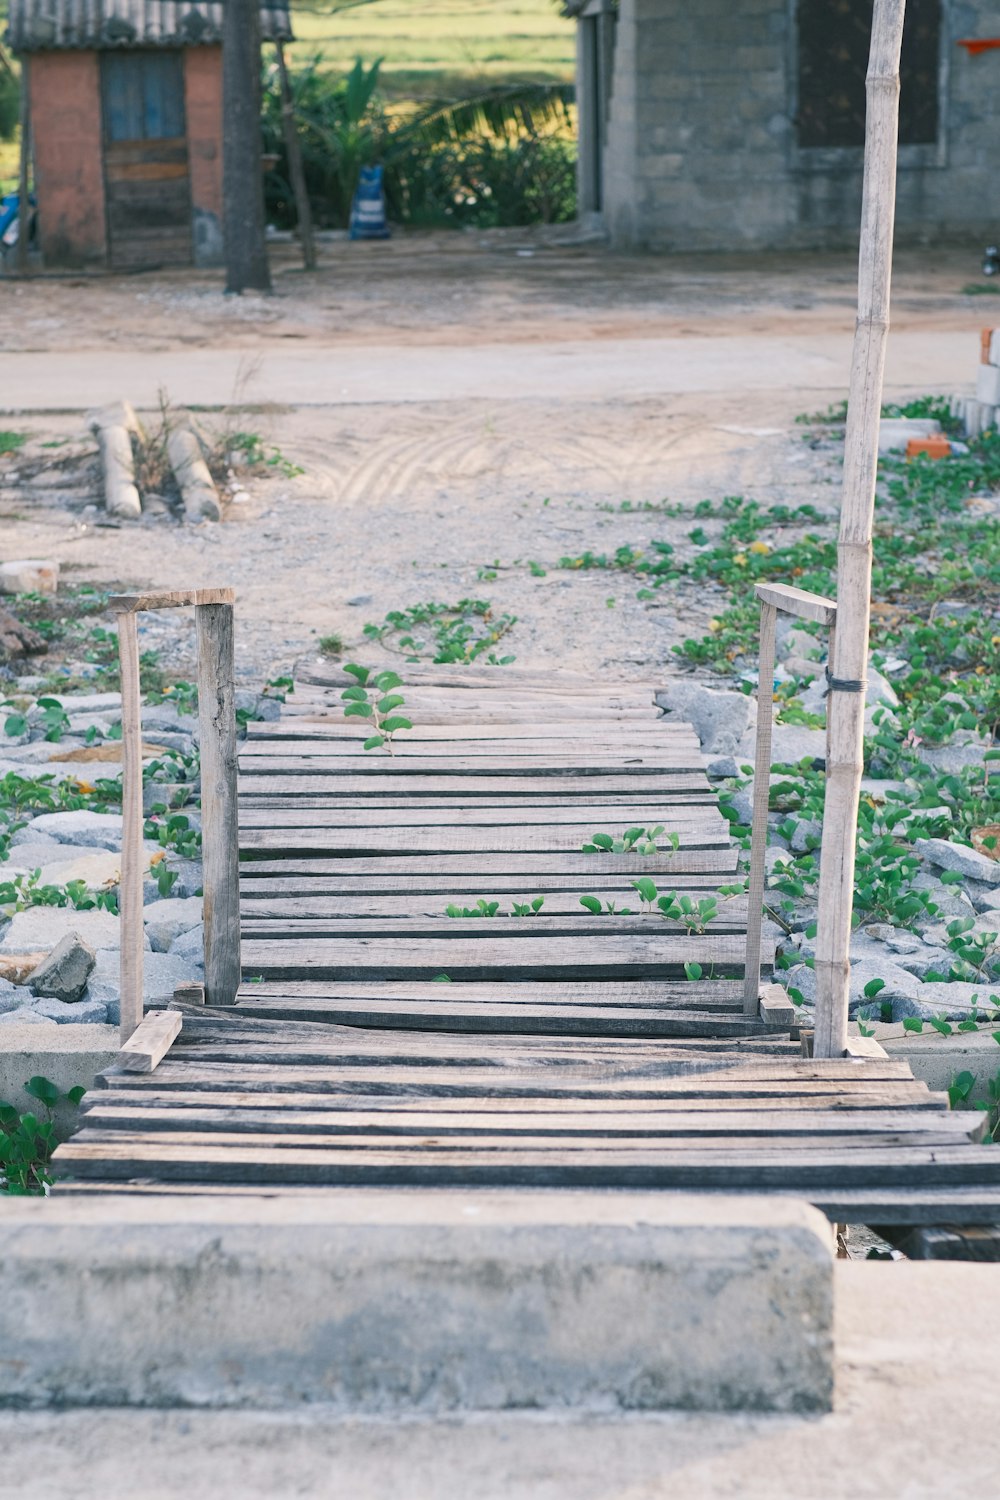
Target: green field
{"points": [[437, 47]]}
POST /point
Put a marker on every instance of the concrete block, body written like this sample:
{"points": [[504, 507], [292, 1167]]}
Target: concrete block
{"points": [[937, 1059], [988, 385], [67, 1054], [418, 1302], [994, 346]]}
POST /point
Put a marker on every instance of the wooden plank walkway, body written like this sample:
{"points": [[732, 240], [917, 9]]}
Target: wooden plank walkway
{"points": [[378, 1041]]}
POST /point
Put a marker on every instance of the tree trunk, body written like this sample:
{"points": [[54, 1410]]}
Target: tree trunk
{"points": [[296, 171], [242, 180], [849, 656]]}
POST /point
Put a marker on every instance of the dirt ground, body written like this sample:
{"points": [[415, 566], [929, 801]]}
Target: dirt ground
{"points": [[578, 363]]}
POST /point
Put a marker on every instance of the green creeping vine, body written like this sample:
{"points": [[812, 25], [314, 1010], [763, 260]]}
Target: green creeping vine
{"points": [[375, 698], [632, 841], [27, 1143]]}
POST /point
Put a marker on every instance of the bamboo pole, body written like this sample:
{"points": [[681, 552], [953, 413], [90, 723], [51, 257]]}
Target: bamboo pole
{"points": [[849, 657], [761, 797], [296, 171], [130, 888]]}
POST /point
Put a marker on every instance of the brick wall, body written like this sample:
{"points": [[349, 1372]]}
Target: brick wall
{"points": [[702, 150], [65, 96]]}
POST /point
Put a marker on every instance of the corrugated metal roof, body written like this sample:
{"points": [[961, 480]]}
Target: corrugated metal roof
{"points": [[41, 25]]}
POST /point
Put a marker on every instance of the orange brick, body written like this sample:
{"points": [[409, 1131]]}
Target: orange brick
{"points": [[985, 335], [931, 447]]}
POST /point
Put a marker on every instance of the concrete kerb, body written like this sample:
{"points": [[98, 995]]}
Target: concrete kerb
{"points": [[68, 1055], [422, 1301]]}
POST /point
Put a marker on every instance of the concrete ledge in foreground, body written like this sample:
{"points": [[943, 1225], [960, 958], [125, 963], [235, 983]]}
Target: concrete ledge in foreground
{"points": [[417, 1302]]}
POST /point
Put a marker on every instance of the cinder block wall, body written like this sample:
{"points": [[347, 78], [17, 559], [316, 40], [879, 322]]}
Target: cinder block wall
{"points": [[702, 151], [65, 94], [203, 103]]}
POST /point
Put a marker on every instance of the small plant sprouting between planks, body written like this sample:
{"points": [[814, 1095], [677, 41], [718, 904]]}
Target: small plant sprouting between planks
{"points": [[604, 908], [632, 841], [529, 907], [27, 1143], [374, 697]]}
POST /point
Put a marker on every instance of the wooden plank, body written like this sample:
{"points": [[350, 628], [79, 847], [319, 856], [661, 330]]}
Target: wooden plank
{"points": [[562, 913], [262, 778], [550, 1020], [566, 838], [220, 846], [799, 602], [689, 994], [580, 925], [472, 868], [168, 599], [596, 819], [806, 1165], [425, 890], [312, 758], [150, 1041], [616, 753], [610, 732], [489, 958], [382, 1127]]}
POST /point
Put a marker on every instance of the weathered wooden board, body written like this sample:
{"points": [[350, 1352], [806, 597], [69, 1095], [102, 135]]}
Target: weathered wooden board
{"points": [[566, 838], [472, 865], [598, 818], [562, 913]]}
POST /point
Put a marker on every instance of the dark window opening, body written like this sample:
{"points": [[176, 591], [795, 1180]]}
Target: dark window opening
{"points": [[143, 96], [834, 38]]}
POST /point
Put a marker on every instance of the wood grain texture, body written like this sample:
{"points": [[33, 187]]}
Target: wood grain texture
{"points": [[220, 847], [133, 861], [150, 1041]]}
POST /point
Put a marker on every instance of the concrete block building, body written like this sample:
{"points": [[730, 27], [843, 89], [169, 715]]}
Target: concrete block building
{"points": [[126, 123], [721, 124]]}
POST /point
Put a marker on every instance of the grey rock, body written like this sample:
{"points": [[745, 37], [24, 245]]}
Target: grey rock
{"points": [[356, 600], [41, 751], [985, 898], [957, 756], [897, 938], [954, 999], [63, 975], [89, 702], [720, 719], [928, 959], [899, 984], [806, 836], [268, 710], [166, 716], [83, 1013], [167, 920], [41, 842], [173, 739], [13, 996], [742, 804], [161, 974], [25, 1014], [98, 830], [722, 768], [190, 945], [948, 856], [799, 642], [44, 926]]}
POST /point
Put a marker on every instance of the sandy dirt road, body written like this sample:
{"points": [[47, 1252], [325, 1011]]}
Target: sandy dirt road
{"points": [[460, 405]]}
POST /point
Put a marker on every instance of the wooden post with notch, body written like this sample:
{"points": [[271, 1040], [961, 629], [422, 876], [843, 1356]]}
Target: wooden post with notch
{"points": [[24, 174], [761, 795], [220, 849], [219, 846]]}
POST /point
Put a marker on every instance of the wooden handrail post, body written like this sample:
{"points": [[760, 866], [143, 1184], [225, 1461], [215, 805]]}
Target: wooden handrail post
{"points": [[761, 797], [220, 850], [130, 888]]}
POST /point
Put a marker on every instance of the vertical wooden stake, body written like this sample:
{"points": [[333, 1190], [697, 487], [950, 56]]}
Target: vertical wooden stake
{"points": [[220, 847], [849, 656], [761, 796], [24, 174], [296, 171], [130, 889]]}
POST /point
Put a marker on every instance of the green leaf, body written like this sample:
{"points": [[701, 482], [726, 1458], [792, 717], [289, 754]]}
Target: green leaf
{"points": [[912, 1023], [76, 1093], [441, 979], [646, 888], [386, 681], [872, 988], [941, 1025], [387, 704], [396, 722], [15, 724], [358, 711], [693, 970], [42, 1089], [354, 695], [453, 911], [374, 742], [361, 673], [592, 903], [538, 903], [603, 841]]}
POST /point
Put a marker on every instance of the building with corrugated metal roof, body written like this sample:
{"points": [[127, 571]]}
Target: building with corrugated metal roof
{"points": [[126, 119]]}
